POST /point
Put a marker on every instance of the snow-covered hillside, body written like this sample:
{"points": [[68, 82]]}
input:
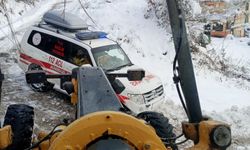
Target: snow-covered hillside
{"points": [[139, 27]]}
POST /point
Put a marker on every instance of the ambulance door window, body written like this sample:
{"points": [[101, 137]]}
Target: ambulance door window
{"points": [[79, 55]]}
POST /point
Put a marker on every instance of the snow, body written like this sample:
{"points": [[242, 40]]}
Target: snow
{"points": [[145, 42], [236, 48], [216, 94], [196, 8]]}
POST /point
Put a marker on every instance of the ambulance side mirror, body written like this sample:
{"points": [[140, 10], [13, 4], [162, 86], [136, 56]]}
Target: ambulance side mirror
{"points": [[35, 76]]}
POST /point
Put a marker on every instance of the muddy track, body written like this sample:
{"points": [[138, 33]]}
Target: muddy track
{"points": [[51, 108]]}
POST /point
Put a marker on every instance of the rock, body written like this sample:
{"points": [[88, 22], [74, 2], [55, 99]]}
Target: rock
{"points": [[43, 119]]}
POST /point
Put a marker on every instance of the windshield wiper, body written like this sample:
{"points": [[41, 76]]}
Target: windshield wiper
{"points": [[122, 66]]}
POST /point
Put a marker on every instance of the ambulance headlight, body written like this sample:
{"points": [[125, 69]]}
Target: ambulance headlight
{"points": [[137, 98]]}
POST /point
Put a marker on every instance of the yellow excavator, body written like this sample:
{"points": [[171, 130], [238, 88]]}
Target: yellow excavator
{"points": [[102, 123]]}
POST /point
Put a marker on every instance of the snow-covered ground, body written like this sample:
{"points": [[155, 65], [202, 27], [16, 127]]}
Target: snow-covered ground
{"points": [[222, 97], [232, 91]]}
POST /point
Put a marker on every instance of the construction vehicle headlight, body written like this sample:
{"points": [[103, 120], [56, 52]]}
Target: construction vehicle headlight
{"points": [[137, 98], [221, 136]]}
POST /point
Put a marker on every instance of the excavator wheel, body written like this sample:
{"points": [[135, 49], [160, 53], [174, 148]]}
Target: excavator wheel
{"points": [[21, 119], [161, 125], [40, 87]]}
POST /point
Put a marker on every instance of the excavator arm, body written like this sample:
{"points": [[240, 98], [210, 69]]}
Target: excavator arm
{"points": [[206, 134]]}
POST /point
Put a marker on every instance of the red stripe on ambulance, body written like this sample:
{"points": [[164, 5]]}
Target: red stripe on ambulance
{"points": [[42, 64]]}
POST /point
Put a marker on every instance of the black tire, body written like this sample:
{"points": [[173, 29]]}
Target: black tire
{"points": [[161, 125], [40, 87], [21, 119], [1, 80]]}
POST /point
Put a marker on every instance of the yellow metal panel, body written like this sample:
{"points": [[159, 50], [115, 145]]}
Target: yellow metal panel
{"points": [[205, 128], [90, 127], [74, 96], [46, 144], [5, 137]]}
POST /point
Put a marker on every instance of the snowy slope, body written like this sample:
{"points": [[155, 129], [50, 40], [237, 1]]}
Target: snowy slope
{"points": [[145, 43], [21, 16]]}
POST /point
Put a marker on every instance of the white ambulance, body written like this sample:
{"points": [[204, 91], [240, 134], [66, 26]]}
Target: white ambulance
{"points": [[62, 42]]}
